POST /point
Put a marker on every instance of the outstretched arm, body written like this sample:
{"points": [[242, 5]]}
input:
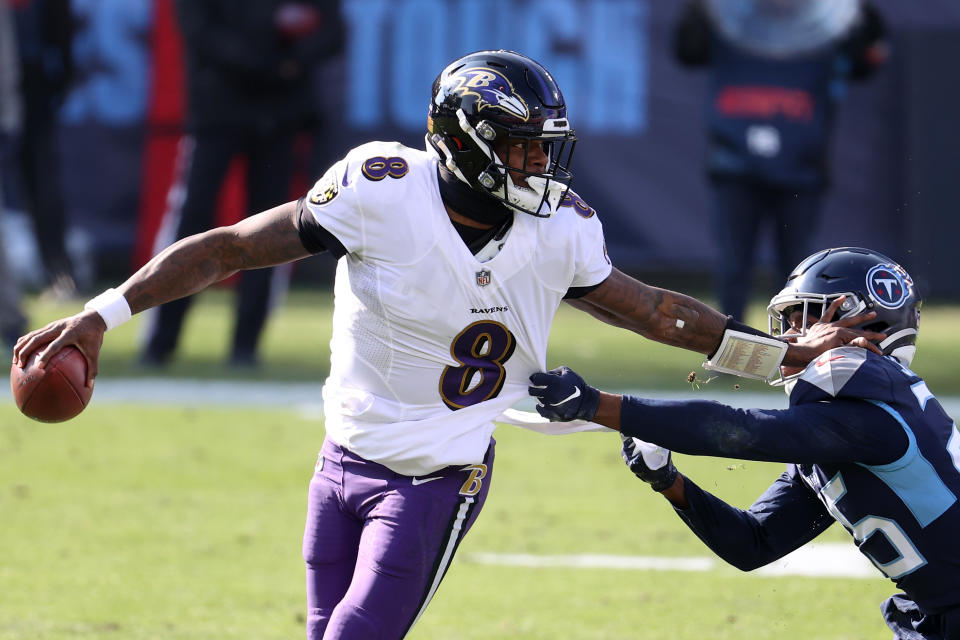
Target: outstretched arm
{"points": [[783, 519], [840, 431], [681, 321], [186, 267], [787, 516], [194, 263], [658, 314]]}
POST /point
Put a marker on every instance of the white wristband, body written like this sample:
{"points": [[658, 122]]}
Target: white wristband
{"points": [[748, 355], [112, 307]]}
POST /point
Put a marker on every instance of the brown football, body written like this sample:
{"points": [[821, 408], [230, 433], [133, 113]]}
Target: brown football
{"points": [[55, 393]]}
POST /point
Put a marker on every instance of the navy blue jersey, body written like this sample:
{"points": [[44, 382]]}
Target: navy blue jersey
{"points": [[770, 119], [868, 446]]}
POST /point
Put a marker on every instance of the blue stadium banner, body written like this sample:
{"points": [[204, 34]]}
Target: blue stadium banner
{"points": [[640, 159]]}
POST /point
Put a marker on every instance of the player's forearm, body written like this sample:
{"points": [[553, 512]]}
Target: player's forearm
{"points": [[685, 322], [184, 268], [682, 321], [194, 263], [658, 314], [672, 318], [708, 428], [731, 533]]}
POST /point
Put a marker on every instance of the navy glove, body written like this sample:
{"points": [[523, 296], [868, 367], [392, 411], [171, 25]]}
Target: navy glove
{"points": [[650, 463], [562, 395]]}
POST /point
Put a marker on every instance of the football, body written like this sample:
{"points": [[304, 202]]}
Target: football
{"points": [[55, 393]]}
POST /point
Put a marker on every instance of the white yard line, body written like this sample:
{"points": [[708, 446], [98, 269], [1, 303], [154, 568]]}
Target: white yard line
{"points": [[833, 560]]}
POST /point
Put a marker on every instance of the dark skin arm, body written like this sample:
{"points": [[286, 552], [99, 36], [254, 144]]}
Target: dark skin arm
{"points": [[184, 268], [654, 313], [194, 263]]}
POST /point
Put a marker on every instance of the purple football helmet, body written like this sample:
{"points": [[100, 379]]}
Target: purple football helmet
{"points": [[486, 97]]}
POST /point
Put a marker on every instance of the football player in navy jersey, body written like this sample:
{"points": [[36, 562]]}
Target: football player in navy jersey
{"points": [[866, 442], [453, 260]]}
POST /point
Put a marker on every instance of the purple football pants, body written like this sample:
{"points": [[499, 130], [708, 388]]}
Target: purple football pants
{"points": [[377, 543]]}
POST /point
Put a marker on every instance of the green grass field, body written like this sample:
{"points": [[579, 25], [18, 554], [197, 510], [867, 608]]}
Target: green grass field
{"points": [[168, 522]]}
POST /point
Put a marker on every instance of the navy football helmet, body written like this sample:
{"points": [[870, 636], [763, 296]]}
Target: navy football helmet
{"points": [[484, 99], [870, 281]]}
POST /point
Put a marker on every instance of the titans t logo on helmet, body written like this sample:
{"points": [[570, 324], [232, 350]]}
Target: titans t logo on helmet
{"points": [[490, 86], [887, 286]]}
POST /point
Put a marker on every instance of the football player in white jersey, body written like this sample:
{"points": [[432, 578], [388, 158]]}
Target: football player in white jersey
{"points": [[452, 264]]}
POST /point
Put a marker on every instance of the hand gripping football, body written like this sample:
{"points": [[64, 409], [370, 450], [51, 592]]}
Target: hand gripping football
{"points": [[55, 393]]}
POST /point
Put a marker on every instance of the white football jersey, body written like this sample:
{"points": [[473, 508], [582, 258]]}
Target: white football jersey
{"points": [[429, 343]]}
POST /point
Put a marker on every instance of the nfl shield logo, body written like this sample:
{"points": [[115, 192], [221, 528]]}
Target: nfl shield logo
{"points": [[483, 277]]}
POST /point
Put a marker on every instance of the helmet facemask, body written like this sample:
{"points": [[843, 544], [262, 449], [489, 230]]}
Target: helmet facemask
{"points": [[782, 321], [811, 305]]}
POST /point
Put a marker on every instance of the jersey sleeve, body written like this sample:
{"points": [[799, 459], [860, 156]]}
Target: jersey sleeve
{"points": [[843, 430], [590, 254], [354, 199], [783, 519], [331, 210], [313, 236]]}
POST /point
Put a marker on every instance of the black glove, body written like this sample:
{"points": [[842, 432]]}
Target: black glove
{"points": [[650, 463], [562, 395]]}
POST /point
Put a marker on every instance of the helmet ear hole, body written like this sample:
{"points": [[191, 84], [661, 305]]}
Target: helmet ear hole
{"points": [[878, 327]]}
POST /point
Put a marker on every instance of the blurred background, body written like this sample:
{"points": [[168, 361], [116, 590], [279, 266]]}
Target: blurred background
{"points": [[639, 115], [211, 472]]}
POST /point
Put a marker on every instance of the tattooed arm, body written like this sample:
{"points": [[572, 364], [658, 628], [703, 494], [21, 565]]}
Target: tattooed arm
{"points": [[654, 313], [681, 321], [184, 268], [194, 263]]}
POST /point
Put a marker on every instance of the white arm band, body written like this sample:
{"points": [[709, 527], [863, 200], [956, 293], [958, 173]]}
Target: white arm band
{"points": [[112, 307], [748, 355]]}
